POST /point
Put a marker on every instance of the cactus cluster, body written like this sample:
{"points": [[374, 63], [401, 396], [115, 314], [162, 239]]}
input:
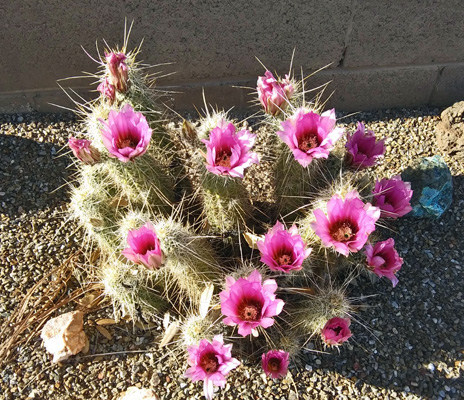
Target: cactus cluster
{"points": [[179, 229]]}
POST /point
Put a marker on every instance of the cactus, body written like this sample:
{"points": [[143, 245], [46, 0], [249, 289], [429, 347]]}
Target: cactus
{"points": [[190, 260], [134, 291], [156, 254], [226, 204], [311, 314]]}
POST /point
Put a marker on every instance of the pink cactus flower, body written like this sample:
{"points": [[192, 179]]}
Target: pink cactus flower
{"points": [[118, 70], [336, 331], [383, 260], [275, 363], [228, 152], [83, 150], [283, 250], [126, 135], [310, 135], [248, 303], [362, 148], [144, 247], [107, 90], [274, 94], [348, 223], [210, 363], [393, 197]]}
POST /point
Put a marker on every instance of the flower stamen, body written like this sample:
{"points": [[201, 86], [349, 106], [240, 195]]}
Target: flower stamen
{"points": [[249, 310], [343, 231], [308, 141], [127, 142], [274, 364], [223, 160], [209, 363], [284, 259]]}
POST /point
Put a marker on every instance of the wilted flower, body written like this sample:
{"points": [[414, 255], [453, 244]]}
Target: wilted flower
{"points": [[274, 94], [210, 362], [118, 70], [283, 250], [144, 247], [348, 223], [383, 259], [393, 197], [310, 135], [275, 363], [228, 152], [362, 148], [336, 331], [249, 303], [83, 150], [107, 90], [126, 135]]}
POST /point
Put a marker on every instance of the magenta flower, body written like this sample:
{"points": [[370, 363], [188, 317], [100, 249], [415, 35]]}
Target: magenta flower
{"points": [[393, 197], [362, 148], [283, 250], [348, 223], [249, 303], [83, 150], [107, 90], [383, 260], [336, 331], [126, 135], [275, 363], [144, 247], [118, 71], [274, 94], [228, 152], [210, 362], [310, 135]]}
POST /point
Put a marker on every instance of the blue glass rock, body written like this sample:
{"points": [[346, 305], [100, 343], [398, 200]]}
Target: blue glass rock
{"points": [[432, 185]]}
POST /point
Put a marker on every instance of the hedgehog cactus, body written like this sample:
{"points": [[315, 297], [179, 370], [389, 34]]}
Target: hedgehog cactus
{"points": [[156, 252], [311, 314], [134, 291], [226, 203]]}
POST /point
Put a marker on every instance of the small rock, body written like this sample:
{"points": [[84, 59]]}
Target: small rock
{"points": [[134, 393], [450, 131], [63, 336], [432, 185]]}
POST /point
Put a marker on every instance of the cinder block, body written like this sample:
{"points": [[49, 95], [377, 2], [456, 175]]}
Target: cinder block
{"points": [[407, 32], [450, 86], [207, 40], [359, 89], [214, 44], [53, 100], [355, 90]]}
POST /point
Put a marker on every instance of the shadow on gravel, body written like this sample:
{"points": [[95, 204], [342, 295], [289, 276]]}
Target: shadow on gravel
{"points": [[32, 175], [419, 325]]}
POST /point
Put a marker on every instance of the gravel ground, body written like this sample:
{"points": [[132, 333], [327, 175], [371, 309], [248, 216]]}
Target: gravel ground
{"points": [[408, 342]]}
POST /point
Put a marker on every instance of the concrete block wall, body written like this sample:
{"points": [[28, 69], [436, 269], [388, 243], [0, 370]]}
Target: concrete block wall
{"points": [[396, 53]]}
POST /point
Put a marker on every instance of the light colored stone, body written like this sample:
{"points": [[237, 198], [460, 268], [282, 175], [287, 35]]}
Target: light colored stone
{"points": [[450, 131], [134, 393], [63, 336]]}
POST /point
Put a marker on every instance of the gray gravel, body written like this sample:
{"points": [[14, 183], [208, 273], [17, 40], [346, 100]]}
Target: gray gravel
{"points": [[408, 342]]}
